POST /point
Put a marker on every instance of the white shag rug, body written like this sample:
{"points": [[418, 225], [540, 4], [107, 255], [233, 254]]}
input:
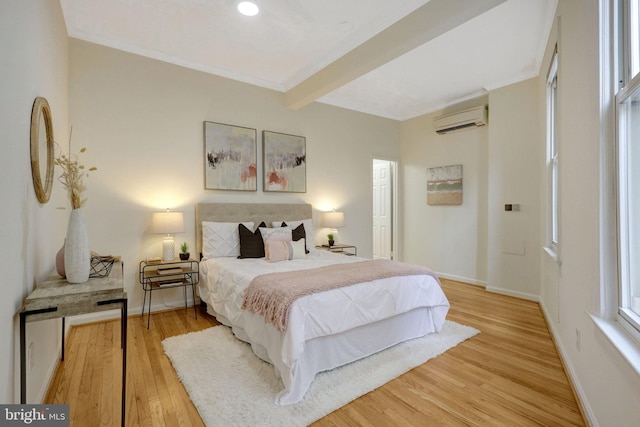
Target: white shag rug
{"points": [[230, 386]]}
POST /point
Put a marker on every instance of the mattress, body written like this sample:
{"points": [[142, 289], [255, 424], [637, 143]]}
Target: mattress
{"points": [[325, 329]]}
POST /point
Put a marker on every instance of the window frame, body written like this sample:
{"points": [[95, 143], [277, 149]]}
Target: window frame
{"points": [[627, 63]]}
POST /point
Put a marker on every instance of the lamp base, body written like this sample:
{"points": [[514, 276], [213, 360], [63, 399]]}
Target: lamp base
{"points": [[168, 249]]}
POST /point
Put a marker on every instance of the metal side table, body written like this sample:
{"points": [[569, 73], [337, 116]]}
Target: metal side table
{"points": [[57, 298]]}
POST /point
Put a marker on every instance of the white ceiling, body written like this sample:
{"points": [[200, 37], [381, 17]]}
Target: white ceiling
{"points": [[393, 58]]}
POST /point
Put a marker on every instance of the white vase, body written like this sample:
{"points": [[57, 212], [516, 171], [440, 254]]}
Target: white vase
{"points": [[77, 255]]}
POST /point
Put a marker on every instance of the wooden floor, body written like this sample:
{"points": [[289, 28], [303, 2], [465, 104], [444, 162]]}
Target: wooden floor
{"points": [[508, 375]]}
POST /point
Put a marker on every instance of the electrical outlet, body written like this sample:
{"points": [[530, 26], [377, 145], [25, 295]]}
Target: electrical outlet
{"points": [[578, 339]]}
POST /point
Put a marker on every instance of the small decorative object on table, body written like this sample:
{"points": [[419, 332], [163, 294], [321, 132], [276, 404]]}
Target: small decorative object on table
{"points": [[331, 241], [77, 255], [101, 265], [184, 251]]}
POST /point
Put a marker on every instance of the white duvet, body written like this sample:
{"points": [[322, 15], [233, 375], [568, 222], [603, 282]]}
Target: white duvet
{"points": [[326, 329]]}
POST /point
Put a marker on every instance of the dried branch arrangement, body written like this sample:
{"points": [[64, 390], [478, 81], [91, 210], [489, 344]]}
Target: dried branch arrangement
{"points": [[73, 173]]}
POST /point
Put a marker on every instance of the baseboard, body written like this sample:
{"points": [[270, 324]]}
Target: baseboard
{"points": [[99, 316], [114, 314], [581, 396], [509, 292], [51, 371], [512, 293], [462, 279]]}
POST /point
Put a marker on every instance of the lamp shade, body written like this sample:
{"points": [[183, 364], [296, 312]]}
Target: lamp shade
{"points": [[167, 222], [333, 219]]}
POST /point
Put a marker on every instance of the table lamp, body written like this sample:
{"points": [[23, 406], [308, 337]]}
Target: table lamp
{"points": [[333, 220], [168, 223]]}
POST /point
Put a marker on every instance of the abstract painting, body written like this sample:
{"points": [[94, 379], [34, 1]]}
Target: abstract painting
{"points": [[285, 162], [444, 185], [229, 157]]}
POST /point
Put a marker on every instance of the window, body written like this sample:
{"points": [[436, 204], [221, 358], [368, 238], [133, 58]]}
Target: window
{"points": [[628, 163], [552, 155]]}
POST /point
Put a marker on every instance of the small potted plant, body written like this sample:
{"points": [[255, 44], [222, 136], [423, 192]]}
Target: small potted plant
{"points": [[330, 237], [184, 251]]}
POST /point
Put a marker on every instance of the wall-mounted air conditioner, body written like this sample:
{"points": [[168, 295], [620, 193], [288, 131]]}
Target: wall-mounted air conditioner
{"points": [[461, 120]]}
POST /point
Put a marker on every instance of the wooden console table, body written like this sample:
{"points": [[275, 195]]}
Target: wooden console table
{"points": [[57, 298]]}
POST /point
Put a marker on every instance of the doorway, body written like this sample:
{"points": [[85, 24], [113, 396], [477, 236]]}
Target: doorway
{"points": [[384, 208]]}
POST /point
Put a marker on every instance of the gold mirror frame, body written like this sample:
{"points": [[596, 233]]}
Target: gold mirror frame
{"points": [[41, 111]]}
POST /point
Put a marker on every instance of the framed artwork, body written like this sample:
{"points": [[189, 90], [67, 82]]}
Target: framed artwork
{"points": [[444, 185], [284, 162], [230, 154]]}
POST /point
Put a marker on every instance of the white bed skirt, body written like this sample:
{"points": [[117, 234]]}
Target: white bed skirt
{"points": [[331, 351]]}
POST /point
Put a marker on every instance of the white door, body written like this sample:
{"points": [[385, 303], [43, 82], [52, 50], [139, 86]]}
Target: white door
{"points": [[382, 211]]}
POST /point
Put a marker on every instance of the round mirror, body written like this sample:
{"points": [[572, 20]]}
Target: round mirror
{"points": [[42, 148]]}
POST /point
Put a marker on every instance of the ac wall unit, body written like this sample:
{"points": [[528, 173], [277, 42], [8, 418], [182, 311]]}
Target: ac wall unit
{"points": [[461, 120]]}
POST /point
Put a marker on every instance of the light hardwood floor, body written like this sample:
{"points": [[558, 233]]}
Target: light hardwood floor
{"points": [[509, 375]]}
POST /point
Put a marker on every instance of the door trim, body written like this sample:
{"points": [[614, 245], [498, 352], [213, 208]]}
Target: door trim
{"points": [[395, 185]]}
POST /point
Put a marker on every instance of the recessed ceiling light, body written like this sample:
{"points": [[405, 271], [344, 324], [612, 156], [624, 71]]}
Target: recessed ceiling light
{"points": [[248, 8]]}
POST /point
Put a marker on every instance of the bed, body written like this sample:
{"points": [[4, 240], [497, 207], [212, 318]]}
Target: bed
{"points": [[324, 330]]}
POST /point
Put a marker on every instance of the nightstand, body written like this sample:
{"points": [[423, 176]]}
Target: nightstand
{"points": [[340, 248], [156, 276]]}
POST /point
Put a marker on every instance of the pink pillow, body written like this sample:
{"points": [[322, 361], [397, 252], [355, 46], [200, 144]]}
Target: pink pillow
{"points": [[276, 250]]}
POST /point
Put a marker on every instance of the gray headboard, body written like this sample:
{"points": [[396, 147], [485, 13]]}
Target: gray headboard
{"points": [[256, 212]]}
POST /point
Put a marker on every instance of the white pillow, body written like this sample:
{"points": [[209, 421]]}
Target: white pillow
{"points": [[298, 249], [308, 230], [221, 239], [282, 234]]}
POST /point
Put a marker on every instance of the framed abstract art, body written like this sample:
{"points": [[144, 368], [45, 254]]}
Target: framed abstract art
{"points": [[444, 185], [230, 154], [284, 162]]}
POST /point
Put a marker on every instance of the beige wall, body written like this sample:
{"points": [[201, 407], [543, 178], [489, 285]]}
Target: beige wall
{"points": [[514, 246], [605, 382], [33, 63], [451, 240], [142, 123], [478, 242]]}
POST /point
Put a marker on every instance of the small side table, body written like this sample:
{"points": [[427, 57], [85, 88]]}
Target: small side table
{"points": [[166, 275], [340, 248], [57, 298]]}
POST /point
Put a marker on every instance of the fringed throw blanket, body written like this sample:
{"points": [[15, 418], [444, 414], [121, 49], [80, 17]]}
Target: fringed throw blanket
{"points": [[271, 295]]}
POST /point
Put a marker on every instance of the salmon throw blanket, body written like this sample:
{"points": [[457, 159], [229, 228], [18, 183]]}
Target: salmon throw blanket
{"points": [[272, 294]]}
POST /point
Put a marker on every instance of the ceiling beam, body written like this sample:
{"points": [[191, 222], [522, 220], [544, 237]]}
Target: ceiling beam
{"points": [[422, 25]]}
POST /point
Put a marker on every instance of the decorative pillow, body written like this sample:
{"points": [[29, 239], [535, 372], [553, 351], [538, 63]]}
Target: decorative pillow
{"points": [[297, 234], [221, 239], [276, 250], [282, 234], [251, 244], [308, 229], [299, 250]]}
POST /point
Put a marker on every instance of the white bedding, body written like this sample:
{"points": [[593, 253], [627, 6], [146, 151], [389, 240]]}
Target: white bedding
{"points": [[326, 329]]}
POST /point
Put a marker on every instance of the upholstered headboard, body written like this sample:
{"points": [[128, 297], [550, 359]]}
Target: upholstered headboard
{"points": [[256, 212]]}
